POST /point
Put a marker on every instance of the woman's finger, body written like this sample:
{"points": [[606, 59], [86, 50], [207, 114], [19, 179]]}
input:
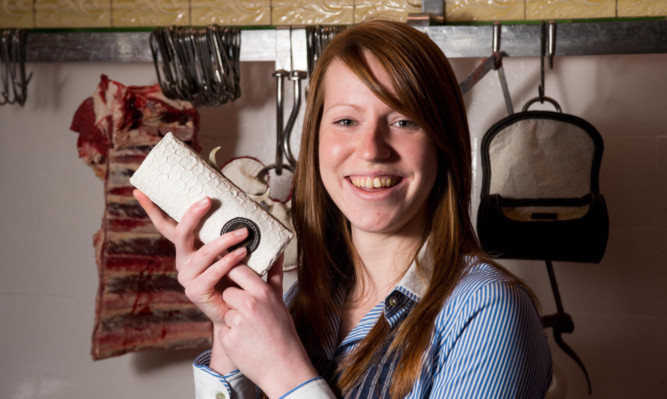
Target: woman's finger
{"points": [[211, 276], [232, 318], [275, 276], [247, 279], [184, 232], [234, 297], [207, 255], [162, 222], [204, 290]]}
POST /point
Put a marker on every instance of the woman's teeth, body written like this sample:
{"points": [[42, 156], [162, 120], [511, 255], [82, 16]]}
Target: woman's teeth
{"points": [[374, 182]]}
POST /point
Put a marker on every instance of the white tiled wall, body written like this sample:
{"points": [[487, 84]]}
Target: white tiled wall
{"points": [[51, 204], [150, 13]]}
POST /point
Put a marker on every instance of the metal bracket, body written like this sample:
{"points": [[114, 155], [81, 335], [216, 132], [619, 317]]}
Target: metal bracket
{"points": [[420, 20], [292, 63], [433, 13]]}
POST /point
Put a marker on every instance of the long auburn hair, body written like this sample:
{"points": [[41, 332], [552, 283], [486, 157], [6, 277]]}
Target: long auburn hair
{"points": [[426, 90]]}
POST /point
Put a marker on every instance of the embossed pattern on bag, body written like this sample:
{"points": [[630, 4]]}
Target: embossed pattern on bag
{"points": [[174, 177]]}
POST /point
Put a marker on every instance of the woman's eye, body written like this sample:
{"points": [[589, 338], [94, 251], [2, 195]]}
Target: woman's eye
{"points": [[344, 122], [406, 124]]}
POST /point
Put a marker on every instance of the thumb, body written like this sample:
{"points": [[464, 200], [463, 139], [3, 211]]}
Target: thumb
{"points": [[275, 276]]}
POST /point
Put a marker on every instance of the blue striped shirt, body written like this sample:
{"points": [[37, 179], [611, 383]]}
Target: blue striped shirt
{"points": [[488, 341]]}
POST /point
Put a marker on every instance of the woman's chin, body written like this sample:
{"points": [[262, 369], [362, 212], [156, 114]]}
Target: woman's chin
{"points": [[382, 224]]}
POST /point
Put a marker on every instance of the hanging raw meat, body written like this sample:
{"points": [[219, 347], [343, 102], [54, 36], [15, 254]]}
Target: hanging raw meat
{"points": [[140, 304]]}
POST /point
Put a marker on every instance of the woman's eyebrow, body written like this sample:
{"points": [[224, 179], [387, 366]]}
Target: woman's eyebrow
{"points": [[341, 105]]}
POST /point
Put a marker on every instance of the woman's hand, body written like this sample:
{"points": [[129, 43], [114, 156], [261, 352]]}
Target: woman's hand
{"points": [[201, 270], [260, 336]]}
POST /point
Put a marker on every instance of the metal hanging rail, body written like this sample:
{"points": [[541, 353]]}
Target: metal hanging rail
{"points": [[573, 38], [120, 46], [457, 41]]}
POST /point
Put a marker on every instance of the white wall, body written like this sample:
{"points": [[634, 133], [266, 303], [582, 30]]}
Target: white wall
{"points": [[51, 204], [618, 306]]}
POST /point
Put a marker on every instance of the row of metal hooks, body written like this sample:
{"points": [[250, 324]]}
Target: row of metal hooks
{"points": [[495, 62], [317, 37], [199, 65], [12, 67]]}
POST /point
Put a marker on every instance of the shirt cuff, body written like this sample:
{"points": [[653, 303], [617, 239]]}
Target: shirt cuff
{"points": [[317, 388], [211, 385]]}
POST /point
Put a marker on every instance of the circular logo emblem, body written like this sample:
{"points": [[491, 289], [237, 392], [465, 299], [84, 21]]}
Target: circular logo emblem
{"points": [[251, 242]]}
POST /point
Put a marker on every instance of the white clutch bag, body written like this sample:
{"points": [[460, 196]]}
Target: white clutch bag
{"points": [[174, 177]]}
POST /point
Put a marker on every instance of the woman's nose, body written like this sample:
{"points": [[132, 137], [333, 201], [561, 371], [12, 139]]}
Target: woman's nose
{"points": [[373, 145]]}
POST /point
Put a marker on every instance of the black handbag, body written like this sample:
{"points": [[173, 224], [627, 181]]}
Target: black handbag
{"points": [[540, 194]]}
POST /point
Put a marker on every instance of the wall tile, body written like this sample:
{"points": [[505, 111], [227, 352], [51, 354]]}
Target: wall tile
{"points": [[484, 10], [127, 13], [397, 10], [72, 14], [16, 14], [300, 12], [230, 12], [551, 9], [641, 8]]}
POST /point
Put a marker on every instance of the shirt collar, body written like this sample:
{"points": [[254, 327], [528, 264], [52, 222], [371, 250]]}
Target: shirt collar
{"points": [[415, 280]]}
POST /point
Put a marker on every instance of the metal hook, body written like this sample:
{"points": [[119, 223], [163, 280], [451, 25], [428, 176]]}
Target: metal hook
{"points": [[317, 37], [290, 55], [224, 46], [180, 61], [280, 94], [163, 47], [296, 77], [291, 61], [12, 67], [20, 46], [5, 65], [298, 60], [492, 62], [542, 100], [552, 42], [547, 47], [160, 68], [499, 67], [551, 37], [543, 33]]}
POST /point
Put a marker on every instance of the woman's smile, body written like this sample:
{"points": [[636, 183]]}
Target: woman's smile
{"points": [[374, 182]]}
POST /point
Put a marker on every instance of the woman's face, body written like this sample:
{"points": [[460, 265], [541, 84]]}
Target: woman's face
{"points": [[376, 164]]}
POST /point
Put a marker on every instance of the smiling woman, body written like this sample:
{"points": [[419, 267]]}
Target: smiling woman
{"points": [[394, 297]]}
